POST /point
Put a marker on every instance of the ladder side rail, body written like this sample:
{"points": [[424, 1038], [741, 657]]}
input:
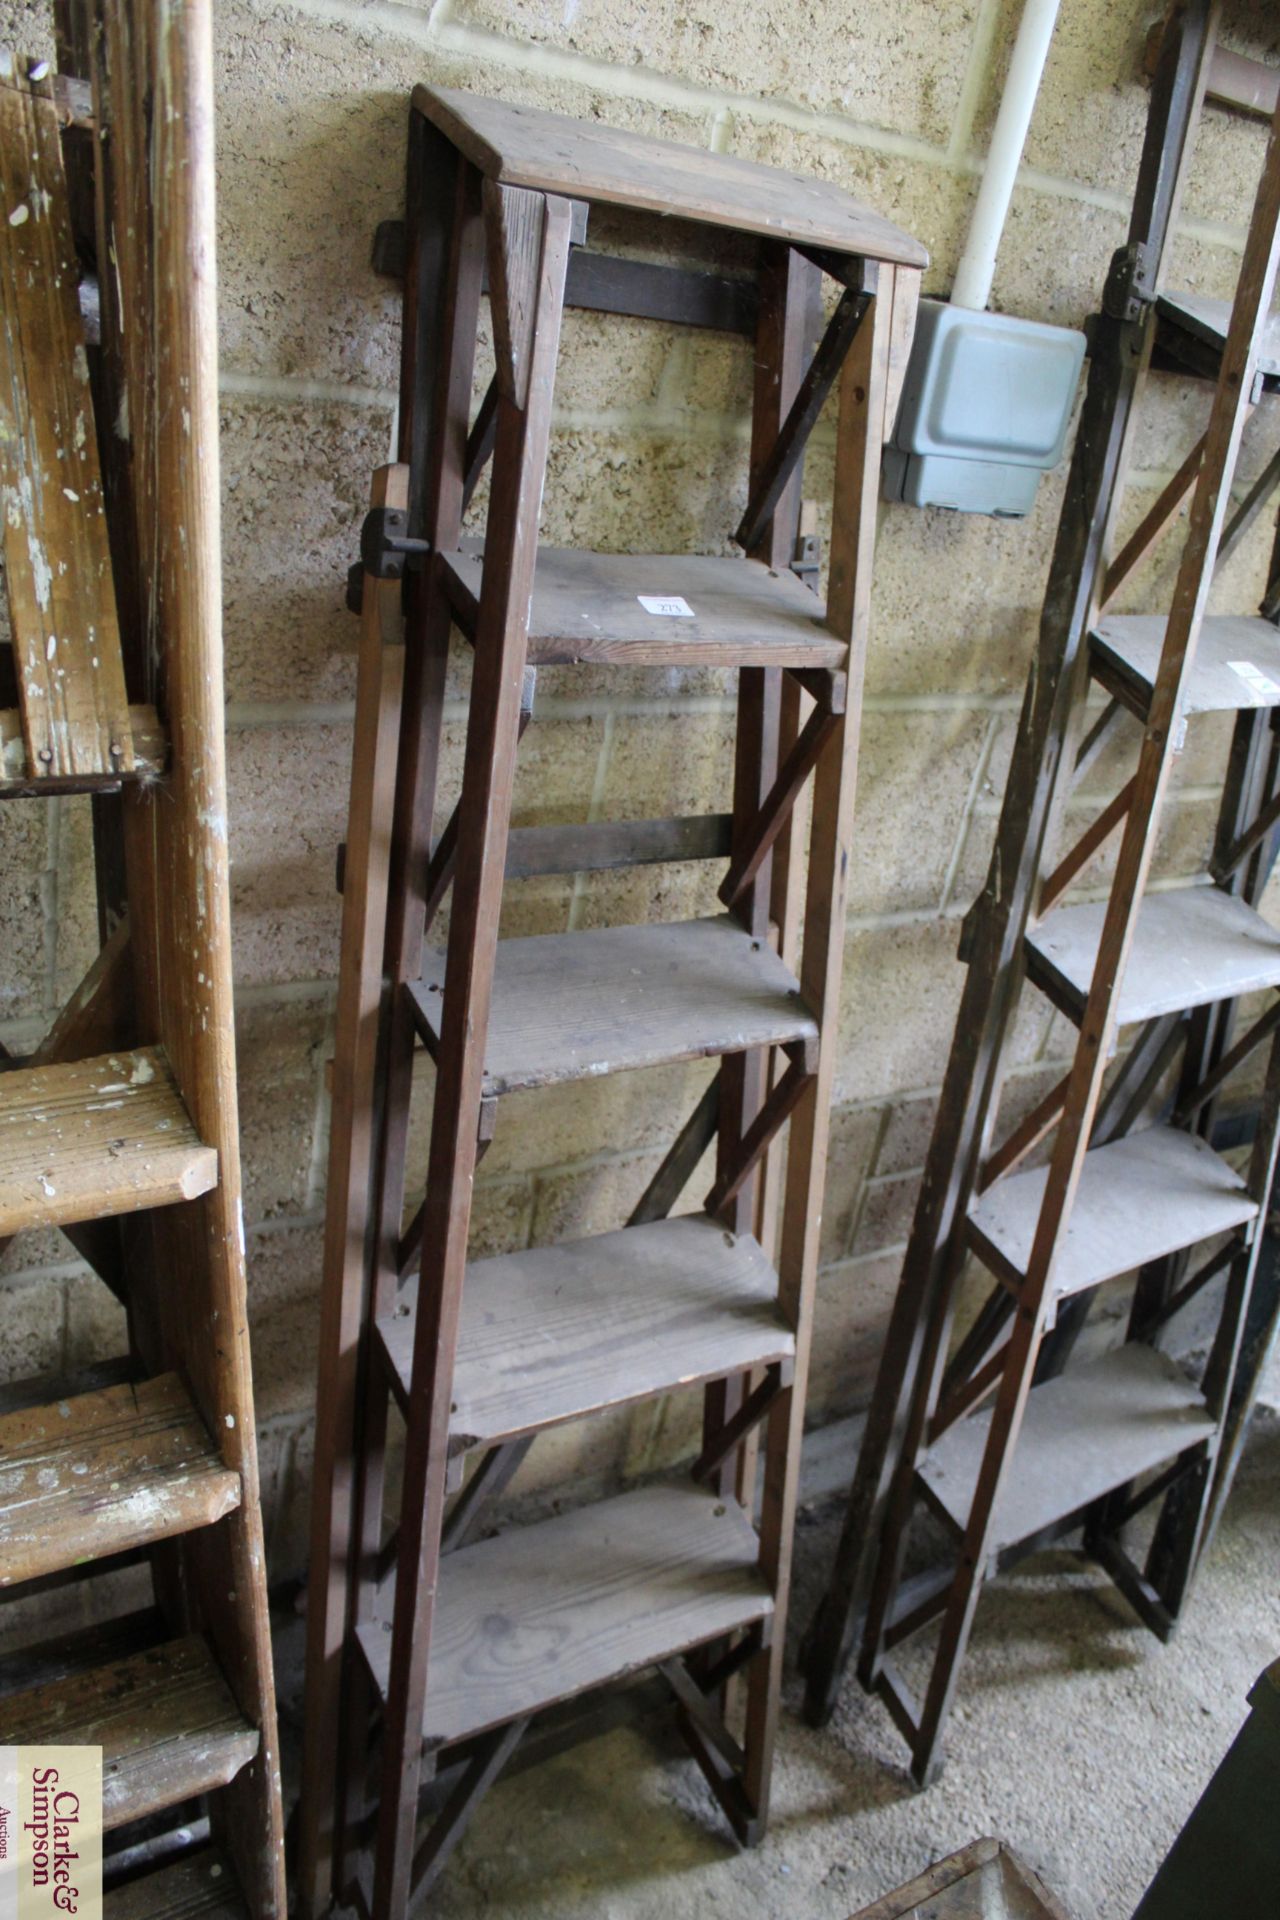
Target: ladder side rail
{"points": [[528, 237], [442, 304], [994, 934], [861, 433], [787, 299], [358, 1034], [153, 94]]}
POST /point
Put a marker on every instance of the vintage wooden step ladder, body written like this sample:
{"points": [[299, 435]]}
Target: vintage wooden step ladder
{"points": [[429, 1659], [121, 1128], [1006, 1447]]}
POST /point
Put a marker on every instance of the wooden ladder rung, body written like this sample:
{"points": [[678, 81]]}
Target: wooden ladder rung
{"points": [[94, 1138], [19, 780], [560, 1332], [591, 607], [164, 1718], [568, 1006], [200, 1886], [87, 1477], [615, 1587]]}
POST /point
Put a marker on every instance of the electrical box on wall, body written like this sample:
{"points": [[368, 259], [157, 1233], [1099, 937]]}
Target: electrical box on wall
{"points": [[985, 408]]}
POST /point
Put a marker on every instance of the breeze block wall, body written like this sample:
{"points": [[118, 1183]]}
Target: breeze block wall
{"points": [[893, 101]]}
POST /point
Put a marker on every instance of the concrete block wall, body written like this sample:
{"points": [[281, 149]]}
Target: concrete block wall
{"points": [[893, 102]]}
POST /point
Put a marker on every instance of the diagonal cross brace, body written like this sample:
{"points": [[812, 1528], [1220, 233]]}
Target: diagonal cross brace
{"points": [[794, 433]]}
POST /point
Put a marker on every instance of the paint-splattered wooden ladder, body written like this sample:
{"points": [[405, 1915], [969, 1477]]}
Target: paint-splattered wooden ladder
{"points": [[121, 1128], [429, 1658], [1001, 1439]]}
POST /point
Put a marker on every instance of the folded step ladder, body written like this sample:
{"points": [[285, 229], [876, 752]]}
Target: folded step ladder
{"points": [[1008, 1444], [438, 1647], [121, 1128]]}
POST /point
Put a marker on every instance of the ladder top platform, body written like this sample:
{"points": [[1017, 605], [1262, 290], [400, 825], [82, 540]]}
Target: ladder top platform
{"points": [[524, 147]]}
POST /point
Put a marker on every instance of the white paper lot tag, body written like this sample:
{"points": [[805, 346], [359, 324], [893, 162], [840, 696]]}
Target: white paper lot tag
{"points": [[668, 605], [1259, 684]]}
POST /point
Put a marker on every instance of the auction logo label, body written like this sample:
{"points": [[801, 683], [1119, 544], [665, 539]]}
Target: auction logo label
{"points": [[50, 1833]]}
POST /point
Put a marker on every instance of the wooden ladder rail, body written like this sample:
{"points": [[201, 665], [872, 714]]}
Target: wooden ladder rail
{"points": [[992, 943], [1097, 1031]]}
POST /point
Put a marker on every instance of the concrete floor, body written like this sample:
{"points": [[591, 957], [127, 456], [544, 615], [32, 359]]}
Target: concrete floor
{"points": [[1077, 1737]]}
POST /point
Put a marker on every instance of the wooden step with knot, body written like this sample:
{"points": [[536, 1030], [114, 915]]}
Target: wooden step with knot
{"points": [[94, 1138], [91, 1476], [545, 1612], [164, 1718]]}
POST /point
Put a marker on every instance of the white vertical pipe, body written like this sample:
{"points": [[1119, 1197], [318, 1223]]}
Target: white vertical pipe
{"points": [[978, 261]]}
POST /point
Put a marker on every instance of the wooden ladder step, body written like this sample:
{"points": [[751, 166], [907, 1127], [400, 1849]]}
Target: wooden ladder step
{"points": [[90, 1476], [1192, 946], [567, 1006], [94, 1138], [1236, 664], [18, 780], [1192, 330], [546, 1612], [200, 1886], [165, 1720], [1139, 1198], [560, 1332], [591, 607], [1084, 1433]]}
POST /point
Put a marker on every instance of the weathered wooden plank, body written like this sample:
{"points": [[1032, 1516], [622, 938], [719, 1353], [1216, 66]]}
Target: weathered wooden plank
{"points": [[1192, 946], [589, 607], [71, 689], [1139, 1198], [984, 1878], [614, 1587], [525, 147], [1089, 1430], [1236, 664], [95, 1138], [164, 1718], [592, 846], [564, 1331], [83, 1478], [18, 780], [199, 1886], [571, 1005]]}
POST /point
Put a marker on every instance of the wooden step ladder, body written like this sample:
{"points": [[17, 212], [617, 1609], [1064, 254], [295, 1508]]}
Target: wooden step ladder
{"points": [[995, 1434], [121, 1128], [428, 1653]]}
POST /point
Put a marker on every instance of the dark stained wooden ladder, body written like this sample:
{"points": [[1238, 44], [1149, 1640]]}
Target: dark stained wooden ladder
{"points": [[427, 1654], [121, 1128], [1004, 1440]]}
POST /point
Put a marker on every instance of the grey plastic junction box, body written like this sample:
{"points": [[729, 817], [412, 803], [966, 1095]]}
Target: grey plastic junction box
{"points": [[985, 408]]}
